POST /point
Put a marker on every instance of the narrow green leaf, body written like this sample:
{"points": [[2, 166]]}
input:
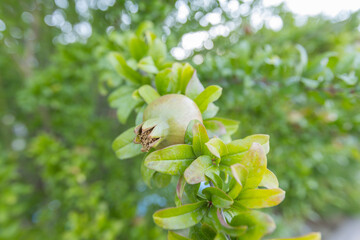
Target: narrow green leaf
{"points": [[163, 80], [180, 188], [195, 173], [157, 51], [258, 223], [147, 65], [137, 47], [147, 174], [180, 217], [185, 77], [171, 160], [200, 137], [240, 174], [217, 147], [174, 236], [255, 161], [310, 236], [189, 132], [237, 149], [233, 231], [210, 112], [269, 180], [124, 146], [148, 93], [218, 197], [261, 198], [213, 174], [161, 180], [194, 87], [214, 128], [124, 70], [231, 126], [209, 95]]}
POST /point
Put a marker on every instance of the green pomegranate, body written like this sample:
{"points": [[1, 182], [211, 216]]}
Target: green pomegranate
{"points": [[165, 121]]}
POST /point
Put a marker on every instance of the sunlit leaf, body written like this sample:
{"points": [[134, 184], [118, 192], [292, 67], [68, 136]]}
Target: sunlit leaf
{"points": [[124, 146], [310, 236], [148, 93], [218, 197], [200, 137], [261, 198], [180, 217], [171, 160], [238, 148], [269, 180], [195, 173], [209, 95]]}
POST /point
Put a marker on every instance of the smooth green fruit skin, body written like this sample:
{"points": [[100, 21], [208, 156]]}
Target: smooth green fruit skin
{"points": [[177, 110]]}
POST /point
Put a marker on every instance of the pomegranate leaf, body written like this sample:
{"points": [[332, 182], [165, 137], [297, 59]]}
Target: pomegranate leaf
{"points": [[148, 93], [217, 147], [147, 65], [195, 173], [171, 160], [238, 148], [125, 70], [137, 47], [269, 180], [124, 146], [258, 224], [194, 87], [240, 174], [174, 236], [261, 198], [218, 197], [200, 137], [180, 217], [209, 95], [310, 236]]}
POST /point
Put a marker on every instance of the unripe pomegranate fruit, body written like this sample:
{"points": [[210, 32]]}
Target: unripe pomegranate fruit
{"points": [[165, 121]]}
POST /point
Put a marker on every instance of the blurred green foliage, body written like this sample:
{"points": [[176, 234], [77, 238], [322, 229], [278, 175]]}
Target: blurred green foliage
{"points": [[59, 178]]}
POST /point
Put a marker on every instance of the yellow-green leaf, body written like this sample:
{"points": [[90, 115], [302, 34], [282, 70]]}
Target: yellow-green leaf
{"points": [[180, 217], [269, 180], [218, 197], [310, 236], [261, 198], [209, 95], [200, 137], [171, 160], [124, 146], [195, 173]]}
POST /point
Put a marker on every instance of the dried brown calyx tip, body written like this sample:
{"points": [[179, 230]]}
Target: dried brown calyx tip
{"points": [[144, 138]]}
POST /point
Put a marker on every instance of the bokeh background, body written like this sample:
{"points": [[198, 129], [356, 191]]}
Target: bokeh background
{"points": [[290, 70]]}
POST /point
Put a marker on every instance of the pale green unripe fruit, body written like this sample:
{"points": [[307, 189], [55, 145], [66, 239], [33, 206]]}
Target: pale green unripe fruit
{"points": [[165, 121]]}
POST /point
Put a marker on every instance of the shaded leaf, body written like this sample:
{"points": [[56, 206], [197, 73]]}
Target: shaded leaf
{"points": [[147, 65], [240, 174], [124, 70], [258, 223], [218, 197]]}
